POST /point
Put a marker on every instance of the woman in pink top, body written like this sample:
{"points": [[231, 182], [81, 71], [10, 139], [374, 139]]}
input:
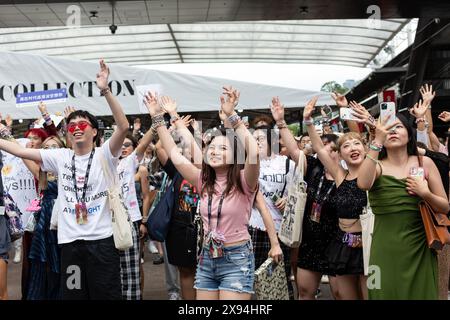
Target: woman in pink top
{"points": [[227, 185]]}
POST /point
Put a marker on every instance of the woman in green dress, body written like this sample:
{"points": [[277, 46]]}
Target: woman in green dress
{"points": [[401, 264]]}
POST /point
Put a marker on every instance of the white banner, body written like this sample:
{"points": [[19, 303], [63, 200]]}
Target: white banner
{"points": [[18, 181], [22, 73]]}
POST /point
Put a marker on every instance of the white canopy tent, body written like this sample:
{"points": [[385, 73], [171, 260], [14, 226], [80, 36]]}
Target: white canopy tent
{"points": [[26, 72]]}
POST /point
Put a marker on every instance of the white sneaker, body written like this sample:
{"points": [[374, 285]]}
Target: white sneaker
{"points": [[152, 248], [18, 255], [325, 279], [174, 296]]}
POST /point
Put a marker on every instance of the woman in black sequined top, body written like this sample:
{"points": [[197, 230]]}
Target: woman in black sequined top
{"points": [[345, 251]]}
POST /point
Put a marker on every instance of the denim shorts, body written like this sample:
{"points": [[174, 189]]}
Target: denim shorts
{"points": [[235, 271]]}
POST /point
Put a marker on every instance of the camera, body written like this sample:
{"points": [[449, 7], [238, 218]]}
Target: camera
{"points": [[113, 28], [383, 106]]}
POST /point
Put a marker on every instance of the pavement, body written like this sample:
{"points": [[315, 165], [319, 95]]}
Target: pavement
{"points": [[154, 280]]}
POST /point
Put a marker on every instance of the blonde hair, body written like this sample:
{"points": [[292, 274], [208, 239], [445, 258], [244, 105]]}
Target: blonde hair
{"points": [[348, 136], [43, 182]]}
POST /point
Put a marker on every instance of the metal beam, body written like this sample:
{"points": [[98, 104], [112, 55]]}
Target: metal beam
{"points": [[175, 42]]}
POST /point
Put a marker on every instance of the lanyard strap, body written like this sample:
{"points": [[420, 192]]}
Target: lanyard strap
{"points": [[320, 188], [219, 211], [88, 169]]}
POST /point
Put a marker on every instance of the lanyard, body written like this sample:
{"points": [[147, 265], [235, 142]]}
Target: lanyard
{"points": [[219, 211], [320, 188], [83, 196]]}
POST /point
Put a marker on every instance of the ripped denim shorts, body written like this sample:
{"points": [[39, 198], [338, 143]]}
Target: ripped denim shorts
{"points": [[234, 271]]}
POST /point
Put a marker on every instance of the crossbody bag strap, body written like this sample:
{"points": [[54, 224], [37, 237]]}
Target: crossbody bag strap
{"points": [[285, 177]]}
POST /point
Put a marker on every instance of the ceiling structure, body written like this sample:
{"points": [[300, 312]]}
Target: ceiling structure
{"points": [[339, 42]]}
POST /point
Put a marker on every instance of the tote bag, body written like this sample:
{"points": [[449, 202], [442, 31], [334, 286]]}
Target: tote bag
{"points": [[291, 225], [121, 222], [367, 223], [271, 281]]}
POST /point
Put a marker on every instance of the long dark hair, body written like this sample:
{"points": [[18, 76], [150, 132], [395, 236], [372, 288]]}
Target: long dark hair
{"points": [[411, 147], [234, 172]]}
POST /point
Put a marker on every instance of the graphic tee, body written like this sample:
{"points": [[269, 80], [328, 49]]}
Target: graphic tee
{"points": [[272, 180], [99, 224], [127, 169]]}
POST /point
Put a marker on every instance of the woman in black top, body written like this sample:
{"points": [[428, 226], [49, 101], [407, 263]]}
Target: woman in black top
{"points": [[318, 230], [345, 251]]}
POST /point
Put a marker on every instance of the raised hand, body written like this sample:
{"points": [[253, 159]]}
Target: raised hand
{"points": [[137, 124], [309, 108], [229, 101], [168, 104], [444, 116], [341, 100], [8, 120], [382, 128], [277, 109], [362, 114], [187, 120], [151, 102], [102, 76], [68, 110], [419, 109], [42, 107], [427, 93]]}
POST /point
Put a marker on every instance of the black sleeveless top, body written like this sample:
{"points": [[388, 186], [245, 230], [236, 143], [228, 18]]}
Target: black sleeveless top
{"points": [[349, 200]]}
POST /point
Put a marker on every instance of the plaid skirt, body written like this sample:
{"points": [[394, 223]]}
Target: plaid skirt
{"points": [[129, 268]]}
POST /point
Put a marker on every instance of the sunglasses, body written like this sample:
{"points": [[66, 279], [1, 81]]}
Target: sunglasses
{"points": [[82, 125], [127, 145]]}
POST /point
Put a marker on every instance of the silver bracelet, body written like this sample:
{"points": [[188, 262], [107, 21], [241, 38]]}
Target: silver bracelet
{"points": [[234, 119]]}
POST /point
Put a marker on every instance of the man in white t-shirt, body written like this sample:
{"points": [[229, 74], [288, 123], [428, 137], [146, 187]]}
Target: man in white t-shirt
{"points": [[90, 266]]}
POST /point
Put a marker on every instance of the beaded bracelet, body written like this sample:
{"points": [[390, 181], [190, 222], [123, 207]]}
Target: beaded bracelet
{"points": [[5, 134], [421, 119], [281, 124], [375, 146], [158, 121], [234, 119], [47, 119], [105, 91], [174, 118]]}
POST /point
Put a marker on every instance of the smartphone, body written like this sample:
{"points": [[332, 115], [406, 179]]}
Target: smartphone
{"points": [[347, 114], [417, 172], [387, 108]]}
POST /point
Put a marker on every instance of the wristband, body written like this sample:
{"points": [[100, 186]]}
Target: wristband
{"points": [[308, 122], [421, 119], [234, 120], [375, 146], [281, 124], [105, 91], [174, 118]]}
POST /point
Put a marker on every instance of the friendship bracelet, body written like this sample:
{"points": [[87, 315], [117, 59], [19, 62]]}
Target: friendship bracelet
{"points": [[376, 146], [174, 118], [374, 160], [421, 119], [281, 124], [105, 91], [234, 119], [47, 119]]}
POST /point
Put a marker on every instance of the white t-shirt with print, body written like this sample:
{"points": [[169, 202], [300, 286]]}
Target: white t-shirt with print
{"points": [[99, 217], [272, 178], [127, 169]]}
